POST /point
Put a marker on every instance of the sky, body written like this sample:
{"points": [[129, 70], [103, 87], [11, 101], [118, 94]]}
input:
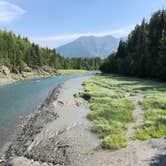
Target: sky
{"points": [[55, 22]]}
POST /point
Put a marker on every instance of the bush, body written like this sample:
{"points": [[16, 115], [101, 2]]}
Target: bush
{"points": [[154, 102], [141, 134], [114, 141]]}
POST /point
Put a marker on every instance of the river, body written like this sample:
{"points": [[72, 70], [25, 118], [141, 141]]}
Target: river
{"points": [[21, 98]]}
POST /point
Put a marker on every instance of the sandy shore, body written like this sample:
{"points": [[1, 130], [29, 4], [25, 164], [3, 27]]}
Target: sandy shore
{"points": [[59, 134], [6, 81]]}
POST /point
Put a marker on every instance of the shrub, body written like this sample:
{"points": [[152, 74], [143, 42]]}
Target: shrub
{"points": [[114, 141]]}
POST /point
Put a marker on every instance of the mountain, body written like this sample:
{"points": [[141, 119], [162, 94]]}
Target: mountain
{"points": [[90, 46]]}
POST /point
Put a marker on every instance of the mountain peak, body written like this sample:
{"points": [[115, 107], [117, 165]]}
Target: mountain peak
{"points": [[90, 46]]}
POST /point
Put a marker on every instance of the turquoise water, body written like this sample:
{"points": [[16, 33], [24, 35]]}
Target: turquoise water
{"points": [[21, 98]]}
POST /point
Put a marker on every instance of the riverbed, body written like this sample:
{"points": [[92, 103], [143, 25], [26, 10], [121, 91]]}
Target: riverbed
{"points": [[22, 98]]}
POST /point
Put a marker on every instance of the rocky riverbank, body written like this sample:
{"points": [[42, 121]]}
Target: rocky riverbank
{"points": [[6, 80], [37, 138], [29, 127], [9, 76]]}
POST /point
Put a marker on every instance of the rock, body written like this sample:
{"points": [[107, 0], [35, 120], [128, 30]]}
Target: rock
{"points": [[5, 70], [15, 70], [30, 126], [45, 70], [23, 75], [41, 71], [27, 69]]}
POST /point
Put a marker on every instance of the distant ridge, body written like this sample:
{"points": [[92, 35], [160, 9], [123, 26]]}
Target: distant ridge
{"points": [[90, 46]]}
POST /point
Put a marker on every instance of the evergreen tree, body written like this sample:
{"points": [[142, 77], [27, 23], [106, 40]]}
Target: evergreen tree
{"points": [[143, 54]]}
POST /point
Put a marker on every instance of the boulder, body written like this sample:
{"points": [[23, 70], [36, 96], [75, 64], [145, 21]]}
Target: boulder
{"points": [[40, 70], [16, 71], [47, 69], [27, 69], [5, 70]]}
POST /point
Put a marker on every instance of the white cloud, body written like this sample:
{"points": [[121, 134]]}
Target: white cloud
{"points": [[9, 11], [55, 41]]}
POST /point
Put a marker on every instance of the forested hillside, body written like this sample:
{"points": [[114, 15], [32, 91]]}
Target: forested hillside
{"points": [[18, 53], [144, 53]]}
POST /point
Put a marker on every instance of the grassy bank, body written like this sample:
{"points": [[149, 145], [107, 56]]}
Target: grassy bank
{"points": [[112, 111], [155, 116], [34, 74], [74, 71]]}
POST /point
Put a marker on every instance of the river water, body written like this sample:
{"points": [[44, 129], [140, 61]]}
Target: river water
{"points": [[21, 98]]}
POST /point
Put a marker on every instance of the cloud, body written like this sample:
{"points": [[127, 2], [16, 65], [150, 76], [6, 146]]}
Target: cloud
{"points": [[9, 12], [55, 41]]}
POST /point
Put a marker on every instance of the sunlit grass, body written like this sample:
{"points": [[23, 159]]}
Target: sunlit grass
{"points": [[2, 75], [155, 117], [31, 74], [115, 109], [14, 76], [115, 141], [141, 134], [69, 71], [111, 111], [154, 102]]}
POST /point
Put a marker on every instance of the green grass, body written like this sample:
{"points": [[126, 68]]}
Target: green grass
{"points": [[141, 135], [2, 75], [155, 117], [110, 118], [111, 111], [114, 141], [26, 74], [31, 74], [104, 127], [154, 102], [72, 71], [14, 76], [114, 109]]}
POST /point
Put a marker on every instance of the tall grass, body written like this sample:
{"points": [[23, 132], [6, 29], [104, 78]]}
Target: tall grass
{"points": [[154, 119], [111, 111], [71, 71]]}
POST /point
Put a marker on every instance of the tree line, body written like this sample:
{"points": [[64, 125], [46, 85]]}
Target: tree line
{"points": [[17, 52], [143, 54]]}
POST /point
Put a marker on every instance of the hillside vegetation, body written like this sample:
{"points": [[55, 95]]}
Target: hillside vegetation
{"points": [[144, 53], [20, 55]]}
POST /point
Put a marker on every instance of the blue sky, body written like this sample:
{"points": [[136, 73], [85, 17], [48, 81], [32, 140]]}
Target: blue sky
{"points": [[55, 22]]}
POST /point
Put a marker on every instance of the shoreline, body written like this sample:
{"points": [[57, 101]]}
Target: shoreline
{"points": [[23, 119], [31, 125], [7, 80]]}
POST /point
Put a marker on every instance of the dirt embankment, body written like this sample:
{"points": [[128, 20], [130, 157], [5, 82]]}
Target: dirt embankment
{"points": [[9, 76]]}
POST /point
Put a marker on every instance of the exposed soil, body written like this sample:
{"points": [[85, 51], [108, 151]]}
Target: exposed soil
{"points": [[138, 114]]}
